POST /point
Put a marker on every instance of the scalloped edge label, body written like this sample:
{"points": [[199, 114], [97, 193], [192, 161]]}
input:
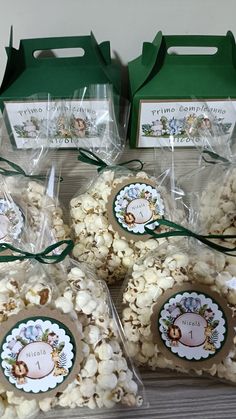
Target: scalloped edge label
{"points": [[192, 324], [132, 204], [39, 353]]}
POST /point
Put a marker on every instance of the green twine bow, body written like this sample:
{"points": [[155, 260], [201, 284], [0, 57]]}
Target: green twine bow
{"points": [[43, 257], [19, 171], [216, 157], [87, 156], [179, 230]]}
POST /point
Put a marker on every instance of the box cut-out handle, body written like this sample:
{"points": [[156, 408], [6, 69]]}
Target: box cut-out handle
{"points": [[192, 50], [59, 53], [211, 48], [54, 48]]}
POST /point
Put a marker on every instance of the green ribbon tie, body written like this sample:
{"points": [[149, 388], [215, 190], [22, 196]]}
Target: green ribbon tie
{"points": [[19, 171], [179, 230], [216, 157], [87, 156], [43, 257]]}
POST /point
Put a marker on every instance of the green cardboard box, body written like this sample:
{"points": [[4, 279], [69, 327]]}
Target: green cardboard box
{"points": [[170, 91], [27, 75]]}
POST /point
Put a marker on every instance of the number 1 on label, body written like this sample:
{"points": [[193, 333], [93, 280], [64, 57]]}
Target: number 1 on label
{"points": [[191, 333], [37, 363]]}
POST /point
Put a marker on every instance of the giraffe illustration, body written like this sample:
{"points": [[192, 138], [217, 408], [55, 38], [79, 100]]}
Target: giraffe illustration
{"points": [[58, 370]]}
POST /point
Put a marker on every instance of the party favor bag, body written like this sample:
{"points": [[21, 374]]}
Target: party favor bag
{"points": [[32, 179], [61, 345], [108, 217], [179, 311]]}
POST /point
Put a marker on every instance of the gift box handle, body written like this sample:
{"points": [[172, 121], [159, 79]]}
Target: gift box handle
{"points": [[59, 53], [84, 43], [217, 48]]}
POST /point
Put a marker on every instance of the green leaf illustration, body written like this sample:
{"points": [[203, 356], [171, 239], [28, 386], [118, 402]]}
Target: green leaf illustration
{"points": [[170, 319], [181, 308], [45, 335], [215, 324], [202, 309], [147, 129], [10, 361], [214, 337], [61, 346], [21, 340], [121, 213], [166, 322]]}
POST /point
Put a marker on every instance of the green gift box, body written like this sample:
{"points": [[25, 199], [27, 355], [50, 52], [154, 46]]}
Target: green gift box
{"points": [[172, 92], [28, 75]]}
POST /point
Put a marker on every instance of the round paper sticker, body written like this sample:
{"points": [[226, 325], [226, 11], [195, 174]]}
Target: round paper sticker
{"points": [[134, 204], [38, 353], [192, 325], [11, 220]]}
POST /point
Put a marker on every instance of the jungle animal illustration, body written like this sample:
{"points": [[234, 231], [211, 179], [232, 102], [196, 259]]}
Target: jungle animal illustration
{"points": [[191, 119], [32, 333], [190, 123], [208, 345], [30, 128], [129, 218], [191, 304], [164, 122], [15, 346], [147, 194], [133, 193], [175, 126], [61, 127], [208, 314], [157, 128], [20, 371], [56, 357], [52, 338], [79, 127], [174, 334], [205, 123]]}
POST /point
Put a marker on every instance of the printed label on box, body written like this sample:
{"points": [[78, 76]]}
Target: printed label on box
{"points": [[192, 325], [182, 123], [66, 124]]}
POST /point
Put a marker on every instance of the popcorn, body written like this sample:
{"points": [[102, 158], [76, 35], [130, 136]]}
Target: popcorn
{"points": [[104, 351], [90, 367], [64, 304], [32, 198], [107, 381], [46, 404], [2, 408], [38, 293], [96, 241], [169, 267], [217, 206], [106, 367], [9, 413], [92, 334], [27, 409]]}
